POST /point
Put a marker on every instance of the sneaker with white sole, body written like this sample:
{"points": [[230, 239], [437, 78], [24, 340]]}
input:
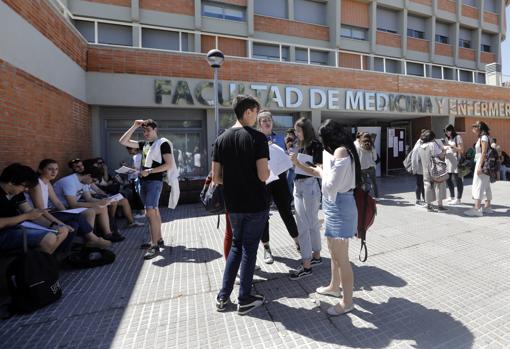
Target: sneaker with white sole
{"points": [[316, 261], [268, 256], [222, 304], [135, 224], [473, 212], [488, 210], [300, 273], [252, 302], [454, 202]]}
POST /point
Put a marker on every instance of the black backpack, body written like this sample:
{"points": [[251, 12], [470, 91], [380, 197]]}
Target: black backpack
{"points": [[33, 280], [90, 257]]}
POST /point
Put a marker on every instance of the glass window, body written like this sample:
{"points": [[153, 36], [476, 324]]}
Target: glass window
{"points": [[415, 34], [160, 39], [415, 69], [352, 32], [272, 8], [387, 20], [464, 43], [319, 57], [301, 55], [449, 74], [310, 11], [115, 34], [480, 78], [435, 72], [393, 66], [222, 11], [86, 29], [379, 64], [485, 48], [490, 5], [270, 52], [465, 75], [441, 39]]}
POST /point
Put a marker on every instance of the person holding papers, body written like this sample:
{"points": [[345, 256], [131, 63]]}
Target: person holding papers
{"points": [[307, 197], [74, 192], [14, 181], [277, 189], [82, 221]]}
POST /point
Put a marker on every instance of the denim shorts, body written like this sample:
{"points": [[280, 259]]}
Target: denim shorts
{"points": [[340, 216], [150, 192], [11, 238]]}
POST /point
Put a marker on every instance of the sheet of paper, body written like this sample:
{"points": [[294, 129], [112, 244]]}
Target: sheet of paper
{"points": [[125, 170], [391, 133], [75, 210], [279, 161], [31, 225], [303, 158], [400, 146], [395, 147], [272, 177], [401, 134], [116, 197]]}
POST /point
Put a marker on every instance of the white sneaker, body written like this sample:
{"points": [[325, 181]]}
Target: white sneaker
{"points": [[454, 202], [488, 210], [138, 216], [472, 212]]}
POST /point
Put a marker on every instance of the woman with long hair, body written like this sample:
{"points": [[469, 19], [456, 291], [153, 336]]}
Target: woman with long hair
{"points": [[368, 157], [341, 174], [455, 149], [481, 187], [307, 198]]}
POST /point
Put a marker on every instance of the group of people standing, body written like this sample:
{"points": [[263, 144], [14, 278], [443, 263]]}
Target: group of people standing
{"points": [[451, 151], [241, 165]]}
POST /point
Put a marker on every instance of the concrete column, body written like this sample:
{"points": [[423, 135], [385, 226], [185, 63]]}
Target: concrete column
{"points": [[96, 135], [250, 13], [292, 53], [198, 15], [290, 7], [372, 31], [316, 118], [135, 10], [334, 9], [403, 29], [456, 44], [432, 44], [137, 39], [198, 42], [477, 42]]}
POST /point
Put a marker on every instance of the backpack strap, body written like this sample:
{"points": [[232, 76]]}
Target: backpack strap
{"points": [[218, 222], [363, 218]]}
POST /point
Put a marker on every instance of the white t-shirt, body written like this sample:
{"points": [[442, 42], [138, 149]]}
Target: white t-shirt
{"points": [[452, 157], [338, 175], [70, 186], [44, 190], [478, 146]]}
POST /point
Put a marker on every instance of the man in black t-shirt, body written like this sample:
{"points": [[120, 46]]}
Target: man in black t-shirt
{"points": [[156, 161], [240, 163], [15, 180]]}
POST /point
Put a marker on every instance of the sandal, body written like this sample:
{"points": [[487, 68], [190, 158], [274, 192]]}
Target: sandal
{"points": [[333, 311], [326, 292]]}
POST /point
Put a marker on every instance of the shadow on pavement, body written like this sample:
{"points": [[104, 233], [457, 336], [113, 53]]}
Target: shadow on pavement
{"points": [[183, 254]]}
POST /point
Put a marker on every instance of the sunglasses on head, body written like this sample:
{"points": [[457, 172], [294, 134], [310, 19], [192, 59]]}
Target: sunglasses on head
{"points": [[75, 161]]}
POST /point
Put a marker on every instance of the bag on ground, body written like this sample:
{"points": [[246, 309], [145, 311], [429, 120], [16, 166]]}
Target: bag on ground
{"points": [[367, 210], [90, 257]]}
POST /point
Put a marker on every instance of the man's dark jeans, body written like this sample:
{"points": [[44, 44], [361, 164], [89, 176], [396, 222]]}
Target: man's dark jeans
{"points": [[247, 230]]}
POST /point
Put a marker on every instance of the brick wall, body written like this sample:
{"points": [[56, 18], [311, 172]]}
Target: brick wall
{"points": [[446, 5], [185, 7], [43, 17], [113, 2], [207, 43], [498, 130], [444, 50], [40, 121], [355, 13], [467, 54], [487, 57], [132, 61], [349, 60], [388, 39], [292, 28], [418, 44], [470, 11], [233, 47], [490, 17]]}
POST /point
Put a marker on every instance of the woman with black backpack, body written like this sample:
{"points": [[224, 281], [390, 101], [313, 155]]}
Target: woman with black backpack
{"points": [[481, 187]]}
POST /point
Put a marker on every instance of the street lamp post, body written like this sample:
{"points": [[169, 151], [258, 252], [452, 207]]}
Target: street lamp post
{"points": [[215, 58]]}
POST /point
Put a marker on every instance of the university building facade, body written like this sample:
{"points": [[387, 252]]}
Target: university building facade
{"points": [[76, 73]]}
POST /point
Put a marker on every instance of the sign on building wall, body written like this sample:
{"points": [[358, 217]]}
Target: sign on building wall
{"points": [[192, 92]]}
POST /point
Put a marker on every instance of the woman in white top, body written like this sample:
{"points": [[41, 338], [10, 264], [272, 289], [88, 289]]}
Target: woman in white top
{"points": [[454, 151], [341, 173], [41, 195], [481, 182], [429, 149], [367, 158]]}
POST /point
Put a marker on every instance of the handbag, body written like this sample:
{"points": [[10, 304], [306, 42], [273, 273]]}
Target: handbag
{"points": [[212, 197], [438, 170]]}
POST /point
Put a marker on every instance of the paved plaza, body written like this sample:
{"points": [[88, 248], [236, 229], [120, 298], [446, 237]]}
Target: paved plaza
{"points": [[432, 280]]}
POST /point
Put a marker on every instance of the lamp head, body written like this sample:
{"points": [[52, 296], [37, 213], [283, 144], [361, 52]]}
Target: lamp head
{"points": [[215, 58]]}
